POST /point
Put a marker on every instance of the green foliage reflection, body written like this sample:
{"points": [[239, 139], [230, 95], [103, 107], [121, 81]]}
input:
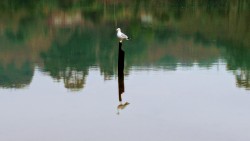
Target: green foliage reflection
{"points": [[68, 37]]}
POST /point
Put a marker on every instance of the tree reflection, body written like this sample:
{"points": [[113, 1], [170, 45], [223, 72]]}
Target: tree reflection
{"points": [[66, 38], [238, 61], [243, 79], [71, 61], [74, 80], [13, 76]]}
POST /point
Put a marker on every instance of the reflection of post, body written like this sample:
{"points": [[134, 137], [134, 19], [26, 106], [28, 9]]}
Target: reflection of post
{"points": [[121, 55]]}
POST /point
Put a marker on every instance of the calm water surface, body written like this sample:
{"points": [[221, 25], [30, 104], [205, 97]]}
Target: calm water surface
{"points": [[186, 71]]}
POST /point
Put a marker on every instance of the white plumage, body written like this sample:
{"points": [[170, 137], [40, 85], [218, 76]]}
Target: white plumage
{"points": [[121, 35]]}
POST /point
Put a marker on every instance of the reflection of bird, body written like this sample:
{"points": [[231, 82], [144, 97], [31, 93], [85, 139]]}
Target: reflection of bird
{"points": [[121, 35], [121, 107]]}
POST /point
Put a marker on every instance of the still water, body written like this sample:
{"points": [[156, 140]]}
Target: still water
{"points": [[186, 70]]}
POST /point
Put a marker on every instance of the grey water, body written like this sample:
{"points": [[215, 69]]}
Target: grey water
{"points": [[186, 70]]}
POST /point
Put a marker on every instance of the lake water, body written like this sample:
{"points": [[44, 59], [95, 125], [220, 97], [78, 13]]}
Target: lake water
{"points": [[186, 70]]}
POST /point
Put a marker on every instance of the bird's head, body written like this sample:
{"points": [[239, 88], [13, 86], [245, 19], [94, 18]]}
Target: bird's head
{"points": [[118, 29]]}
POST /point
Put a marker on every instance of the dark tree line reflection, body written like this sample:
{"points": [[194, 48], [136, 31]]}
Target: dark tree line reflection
{"points": [[66, 38]]}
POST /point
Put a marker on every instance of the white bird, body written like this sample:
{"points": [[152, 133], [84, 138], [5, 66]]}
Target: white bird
{"points": [[121, 35]]}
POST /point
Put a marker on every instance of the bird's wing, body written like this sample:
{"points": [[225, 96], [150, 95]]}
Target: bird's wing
{"points": [[123, 35]]}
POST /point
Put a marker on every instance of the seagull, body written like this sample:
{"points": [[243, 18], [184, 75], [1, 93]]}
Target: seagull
{"points": [[121, 35]]}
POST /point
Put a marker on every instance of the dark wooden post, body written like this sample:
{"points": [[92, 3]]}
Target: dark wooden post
{"points": [[121, 55]]}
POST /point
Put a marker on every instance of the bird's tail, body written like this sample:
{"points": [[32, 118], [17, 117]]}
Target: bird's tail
{"points": [[128, 38]]}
